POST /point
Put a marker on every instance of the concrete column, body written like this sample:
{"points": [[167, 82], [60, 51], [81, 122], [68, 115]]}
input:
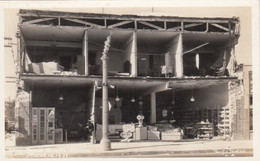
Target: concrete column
{"points": [[179, 57], [198, 61], [246, 109], [168, 63], [85, 52], [133, 57], [93, 117], [153, 108], [105, 142]]}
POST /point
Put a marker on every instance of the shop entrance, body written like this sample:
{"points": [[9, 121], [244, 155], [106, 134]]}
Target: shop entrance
{"points": [[43, 129]]}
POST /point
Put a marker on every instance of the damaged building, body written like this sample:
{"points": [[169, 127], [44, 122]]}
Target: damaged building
{"points": [[180, 73]]}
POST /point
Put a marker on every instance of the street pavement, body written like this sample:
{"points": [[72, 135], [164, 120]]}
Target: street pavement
{"points": [[136, 149]]}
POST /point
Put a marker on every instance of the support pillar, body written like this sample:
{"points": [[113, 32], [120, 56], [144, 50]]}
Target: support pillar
{"points": [[133, 58], [105, 142], [85, 52], [179, 57], [198, 60], [93, 113], [153, 108]]}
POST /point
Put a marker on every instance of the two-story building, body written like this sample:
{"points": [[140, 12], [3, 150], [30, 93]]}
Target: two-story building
{"points": [[184, 67]]}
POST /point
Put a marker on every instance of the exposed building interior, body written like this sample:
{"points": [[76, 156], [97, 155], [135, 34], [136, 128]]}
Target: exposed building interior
{"points": [[176, 72]]}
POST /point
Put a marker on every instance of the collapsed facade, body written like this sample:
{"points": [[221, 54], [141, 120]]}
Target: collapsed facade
{"points": [[179, 73]]}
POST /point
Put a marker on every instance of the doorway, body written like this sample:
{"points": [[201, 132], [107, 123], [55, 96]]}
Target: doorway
{"points": [[43, 125]]}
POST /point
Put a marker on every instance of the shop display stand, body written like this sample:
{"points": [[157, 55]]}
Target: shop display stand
{"points": [[223, 123], [204, 130], [218, 117]]}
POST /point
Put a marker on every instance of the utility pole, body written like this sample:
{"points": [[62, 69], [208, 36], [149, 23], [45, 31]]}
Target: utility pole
{"points": [[105, 142]]}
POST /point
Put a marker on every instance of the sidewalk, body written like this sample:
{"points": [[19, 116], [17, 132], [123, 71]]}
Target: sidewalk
{"points": [[185, 148]]}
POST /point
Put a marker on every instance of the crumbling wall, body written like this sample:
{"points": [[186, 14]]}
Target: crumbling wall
{"points": [[237, 115], [22, 117]]}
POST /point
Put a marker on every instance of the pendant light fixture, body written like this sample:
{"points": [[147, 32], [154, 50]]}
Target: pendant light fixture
{"points": [[192, 99], [60, 97], [117, 98], [133, 99], [173, 97]]}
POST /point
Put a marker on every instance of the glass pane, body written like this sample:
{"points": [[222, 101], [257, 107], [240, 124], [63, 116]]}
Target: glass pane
{"points": [[42, 124], [34, 137], [50, 124], [41, 137], [34, 128], [42, 118], [42, 130], [34, 112], [42, 112], [50, 137]]}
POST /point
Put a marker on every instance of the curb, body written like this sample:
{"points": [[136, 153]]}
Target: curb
{"points": [[217, 152]]}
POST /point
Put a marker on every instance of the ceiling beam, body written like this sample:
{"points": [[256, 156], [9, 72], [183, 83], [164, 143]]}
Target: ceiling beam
{"points": [[119, 24], [38, 20], [150, 25], [195, 48], [219, 26], [41, 13], [53, 43], [186, 26], [83, 22], [158, 88]]}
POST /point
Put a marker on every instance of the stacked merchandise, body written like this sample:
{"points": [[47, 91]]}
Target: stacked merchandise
{"points": [[223, 123], [204, 130]]}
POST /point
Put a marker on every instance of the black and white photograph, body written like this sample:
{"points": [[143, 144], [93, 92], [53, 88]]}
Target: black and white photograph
{"points": [[107, 79]]}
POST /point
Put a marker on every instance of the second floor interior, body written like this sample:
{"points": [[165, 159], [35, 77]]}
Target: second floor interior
{"points": [[76, 50]]}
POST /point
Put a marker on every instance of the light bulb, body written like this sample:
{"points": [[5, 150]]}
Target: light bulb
{"points": [[192, 99], [117, 99], [133, 100], [61, 98]]}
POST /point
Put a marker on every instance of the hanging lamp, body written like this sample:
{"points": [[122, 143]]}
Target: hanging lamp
{"points": [[60, 97], [133, 99], [173, 98], [192, 99], [117, 98]]}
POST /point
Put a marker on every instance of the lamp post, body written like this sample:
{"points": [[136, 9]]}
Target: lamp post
{"points": [[105, 142]]}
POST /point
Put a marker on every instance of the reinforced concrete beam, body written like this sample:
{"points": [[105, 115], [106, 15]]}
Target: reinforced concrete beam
{"points": [[158, 88], [53, 43]]}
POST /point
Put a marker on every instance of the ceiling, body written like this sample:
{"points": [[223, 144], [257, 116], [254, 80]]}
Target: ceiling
{"points": [[212, 38], [154, 38], [119, 37], [52, 33], [126, 85]]}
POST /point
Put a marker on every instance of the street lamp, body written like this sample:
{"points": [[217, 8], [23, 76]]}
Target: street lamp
{"points": [[105, 142]]}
